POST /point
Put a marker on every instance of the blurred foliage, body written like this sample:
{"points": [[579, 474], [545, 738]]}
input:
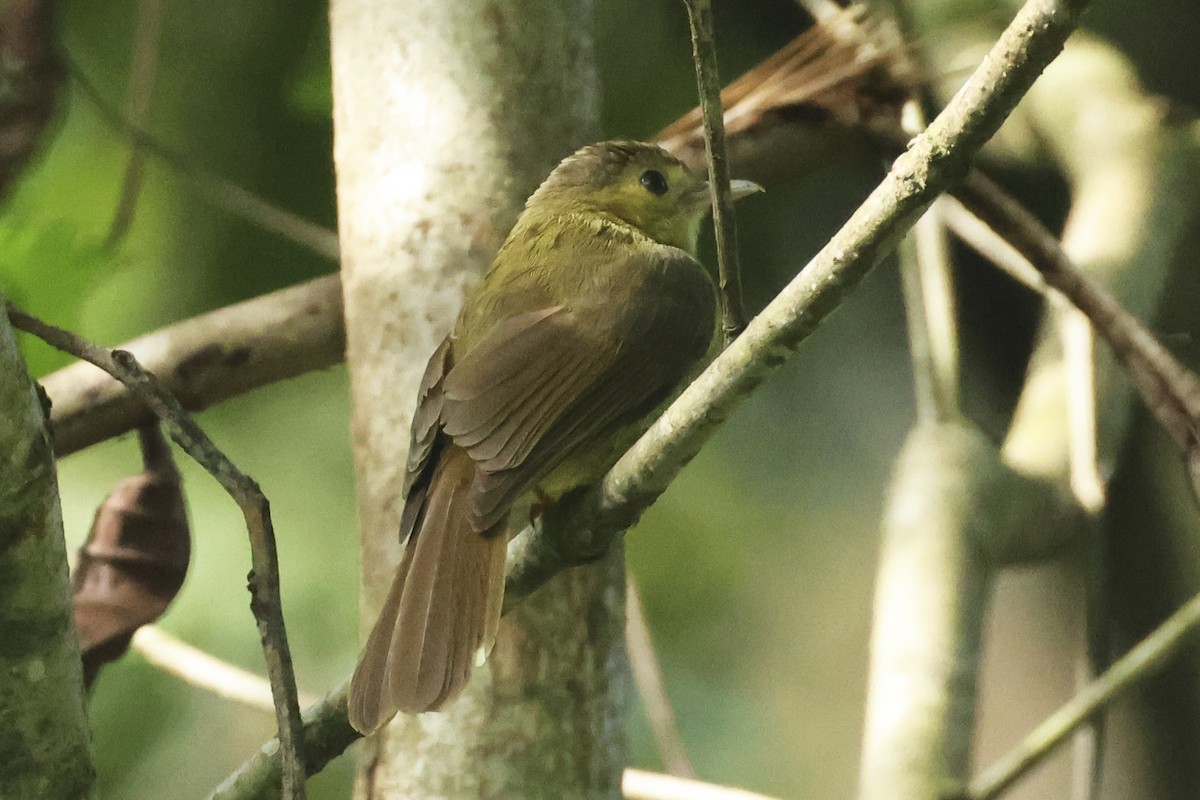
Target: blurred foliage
{"points": [[756, 567]]}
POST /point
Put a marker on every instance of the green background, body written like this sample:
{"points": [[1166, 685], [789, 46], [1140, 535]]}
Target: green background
{"points": [[756, 567]]}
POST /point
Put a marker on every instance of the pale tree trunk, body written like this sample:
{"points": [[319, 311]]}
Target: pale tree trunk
{"points": [[44, 747], [447, 115]]}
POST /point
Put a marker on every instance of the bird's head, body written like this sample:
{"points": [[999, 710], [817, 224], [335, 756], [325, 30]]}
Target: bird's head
{"points": [[636, 183]]}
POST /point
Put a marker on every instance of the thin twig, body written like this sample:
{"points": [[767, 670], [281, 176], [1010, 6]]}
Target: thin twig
{"points": [[142, 76], [219, 191], [920, 341], [925, 269], [205, 671], [708, 82], [647, 675], [1169, 389], [264, 578], [977, 235], [1146, 658]]}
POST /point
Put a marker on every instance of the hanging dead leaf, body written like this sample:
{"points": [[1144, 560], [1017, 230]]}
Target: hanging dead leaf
{"points": [[134, 560]]}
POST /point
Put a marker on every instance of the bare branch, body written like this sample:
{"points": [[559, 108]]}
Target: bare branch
{"points": [[925, 270], [990, 245], [264, 578], [205, 671], [204, 360]]}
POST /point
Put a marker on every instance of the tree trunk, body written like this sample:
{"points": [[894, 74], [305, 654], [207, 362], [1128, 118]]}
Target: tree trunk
{"points": [[44, 747], [447, 115]]}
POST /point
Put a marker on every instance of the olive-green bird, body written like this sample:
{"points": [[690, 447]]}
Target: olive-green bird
{"points": [[591, 318]]}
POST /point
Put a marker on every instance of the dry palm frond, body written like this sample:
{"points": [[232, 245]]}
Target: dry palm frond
{"points": [[847, 72]]}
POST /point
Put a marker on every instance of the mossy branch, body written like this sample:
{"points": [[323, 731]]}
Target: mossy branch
{"points": [[43, 725]]}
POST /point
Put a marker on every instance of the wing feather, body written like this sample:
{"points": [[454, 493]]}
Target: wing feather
{"points": [[544, 384]]}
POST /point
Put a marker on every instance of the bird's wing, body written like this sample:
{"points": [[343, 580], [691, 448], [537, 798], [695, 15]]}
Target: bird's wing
{"points": [[541, 386], [424, 442]]}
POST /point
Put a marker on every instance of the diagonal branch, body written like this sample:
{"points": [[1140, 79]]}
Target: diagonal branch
{"points": [[1169, 389], [204, 360], [221, 192], [205, 671], [585, 525], [1150, 655], [832, 72]]}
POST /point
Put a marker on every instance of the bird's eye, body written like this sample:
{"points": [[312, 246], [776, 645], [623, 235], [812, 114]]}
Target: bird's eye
{"points": [[653, 182]]}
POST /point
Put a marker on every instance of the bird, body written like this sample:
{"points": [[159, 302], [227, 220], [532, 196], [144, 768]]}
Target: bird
{"points": [[594, 314]]}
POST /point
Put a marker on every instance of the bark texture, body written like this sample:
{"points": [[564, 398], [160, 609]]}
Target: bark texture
{"points": [[44, 747], [447, 115]]}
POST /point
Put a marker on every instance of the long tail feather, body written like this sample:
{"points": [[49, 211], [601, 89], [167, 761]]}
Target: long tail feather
{"points": [[442, 609]]}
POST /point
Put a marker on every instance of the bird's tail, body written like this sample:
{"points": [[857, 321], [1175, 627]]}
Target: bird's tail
{"points": [[442, 611]]}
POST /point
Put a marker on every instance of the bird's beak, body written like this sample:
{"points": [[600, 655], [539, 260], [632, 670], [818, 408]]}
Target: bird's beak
{"points": [[737, 188], [740, 188]]}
